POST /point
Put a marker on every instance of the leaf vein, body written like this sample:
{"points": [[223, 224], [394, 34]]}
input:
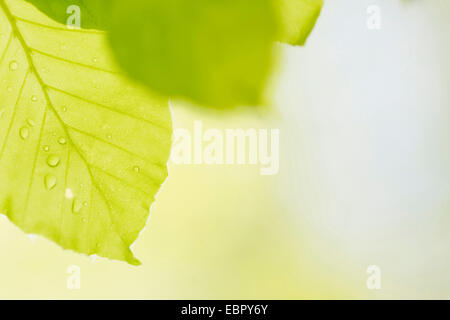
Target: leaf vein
{"points": [[121, 180], [35, 160], [71, 61], [56, 28], [114, 146], [66, 173], [14, 114], [108, 108], [7, 47]]}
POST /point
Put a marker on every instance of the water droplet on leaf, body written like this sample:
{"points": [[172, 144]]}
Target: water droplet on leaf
{"points": [[24, 132], [13, 65], [76, 206], [69, 194], [50, 181], [53, 161]]}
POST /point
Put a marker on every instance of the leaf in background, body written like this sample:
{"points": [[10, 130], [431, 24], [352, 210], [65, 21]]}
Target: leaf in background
{"points": [[298, 18], [214, 52], [82, 152]]}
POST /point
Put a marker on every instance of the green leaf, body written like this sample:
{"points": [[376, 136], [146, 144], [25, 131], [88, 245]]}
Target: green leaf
{"points": [[82, 151], [214, 52], [298, 18]]}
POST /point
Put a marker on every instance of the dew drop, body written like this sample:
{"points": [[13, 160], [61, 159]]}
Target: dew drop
{"points": [[109, 136], [24, 132], [62, 141], [13, 65], [85, 204], [34, 98], [95, 60], [69, 193], [50, 181], [136, 169], [76, 206], [84, 220], [31, 122], [53, 161], [46, 148], [64, 108]]}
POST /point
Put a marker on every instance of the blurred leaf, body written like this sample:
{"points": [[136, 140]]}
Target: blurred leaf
{"points": [[213, 52], [298, 19], [82, 152]]}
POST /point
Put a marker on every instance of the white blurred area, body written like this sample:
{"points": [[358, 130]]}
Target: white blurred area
{"points": [[366, 168]]}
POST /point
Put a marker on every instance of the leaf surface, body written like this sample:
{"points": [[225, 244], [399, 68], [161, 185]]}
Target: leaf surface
{"points": [[82, 151]]}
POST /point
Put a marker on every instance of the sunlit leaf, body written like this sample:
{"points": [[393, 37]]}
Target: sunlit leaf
{"points": [[82, 152]]}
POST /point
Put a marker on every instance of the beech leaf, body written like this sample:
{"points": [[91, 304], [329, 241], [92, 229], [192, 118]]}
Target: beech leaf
{"points": [[83, 151]]}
